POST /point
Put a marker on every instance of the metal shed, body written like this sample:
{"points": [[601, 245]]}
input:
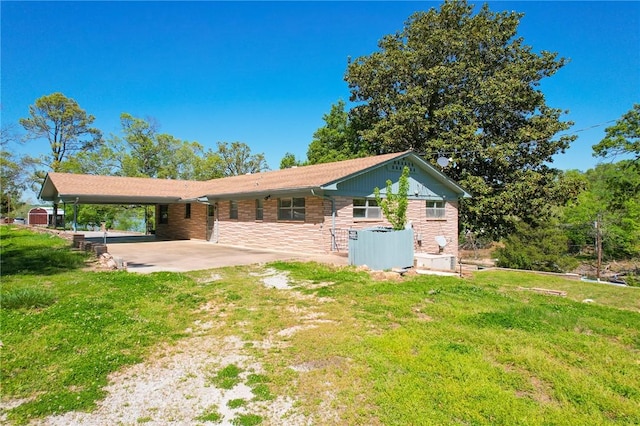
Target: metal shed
{"points": [[43, 216]]}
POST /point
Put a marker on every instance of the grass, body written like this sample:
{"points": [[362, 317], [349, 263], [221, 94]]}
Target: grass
{"points": [[64, 332], [423, 350], [212, 415], [27, 297], [247, 420], [228, 377], [236, 403], [28, 253]]}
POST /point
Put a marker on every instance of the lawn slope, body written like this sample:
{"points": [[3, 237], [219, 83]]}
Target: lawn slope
{"points": [[347, 348]]}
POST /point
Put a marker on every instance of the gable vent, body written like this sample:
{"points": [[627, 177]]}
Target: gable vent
{"points": [[398, 165]]}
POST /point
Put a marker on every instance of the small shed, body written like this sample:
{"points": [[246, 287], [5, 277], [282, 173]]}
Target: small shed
{"points": [[43, 216]]}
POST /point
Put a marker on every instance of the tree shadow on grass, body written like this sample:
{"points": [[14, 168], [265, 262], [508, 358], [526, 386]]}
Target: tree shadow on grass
{"points": [[21, 255]]}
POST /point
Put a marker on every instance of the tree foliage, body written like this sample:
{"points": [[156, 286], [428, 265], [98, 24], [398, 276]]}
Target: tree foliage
{"points": [[394, 205], [91, 216], [463, 85], [144, 152], [12, 176], [289, 160], [540, 247], [11, 184], [337, 140], [65, 125], [237, 159], [619, 217], [102, 161], [623, 138]]}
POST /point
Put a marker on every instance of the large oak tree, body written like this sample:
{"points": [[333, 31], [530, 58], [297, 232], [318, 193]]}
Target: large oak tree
{"points": [[463, 85]]}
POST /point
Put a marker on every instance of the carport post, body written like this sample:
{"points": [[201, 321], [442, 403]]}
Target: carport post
{"points": [[75, 216]]}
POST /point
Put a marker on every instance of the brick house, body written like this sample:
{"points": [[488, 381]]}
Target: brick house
{"points": [[307, 208]]}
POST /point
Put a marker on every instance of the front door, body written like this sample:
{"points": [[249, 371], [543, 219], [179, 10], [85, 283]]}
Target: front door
{"points": [[212, 224]]}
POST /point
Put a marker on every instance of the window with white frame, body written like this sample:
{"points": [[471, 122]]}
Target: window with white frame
{"points": [[291, 209], [366, 208], [259, 208], [233, 209], [435, 209]]}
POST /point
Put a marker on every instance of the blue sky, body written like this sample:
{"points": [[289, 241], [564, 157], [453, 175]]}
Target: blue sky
{"points": [[264, 73]]}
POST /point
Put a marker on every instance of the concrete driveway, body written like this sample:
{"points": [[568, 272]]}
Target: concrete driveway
{"points": [[146, 256]]}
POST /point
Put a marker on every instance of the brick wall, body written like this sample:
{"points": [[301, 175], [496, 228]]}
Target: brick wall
{"points": [[312, 235], [270, 233], [181, 228], [425, 229]]}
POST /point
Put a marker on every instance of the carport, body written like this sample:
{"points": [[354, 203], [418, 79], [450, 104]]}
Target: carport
{"points": [[67, 189]]}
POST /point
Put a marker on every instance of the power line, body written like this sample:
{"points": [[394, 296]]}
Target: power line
{"points": [[589, 128]]}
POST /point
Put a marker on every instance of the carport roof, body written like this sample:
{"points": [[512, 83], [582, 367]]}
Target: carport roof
{"points": [[91, 189]]}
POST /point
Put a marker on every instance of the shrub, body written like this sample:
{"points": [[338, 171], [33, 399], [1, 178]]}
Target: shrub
{"points": [[541, 248]]}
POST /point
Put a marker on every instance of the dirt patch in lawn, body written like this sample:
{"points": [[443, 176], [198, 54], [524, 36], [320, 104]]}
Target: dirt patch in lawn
{"points": [[179, 383], [175, 385]]}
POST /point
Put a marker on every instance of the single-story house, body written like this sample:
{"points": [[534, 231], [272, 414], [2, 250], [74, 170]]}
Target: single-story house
{"points": [[306, 208]]}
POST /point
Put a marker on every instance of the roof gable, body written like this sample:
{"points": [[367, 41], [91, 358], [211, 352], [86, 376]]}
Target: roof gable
{"points": [[425, 181]]}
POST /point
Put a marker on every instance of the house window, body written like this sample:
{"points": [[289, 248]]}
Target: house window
{"points": [[366, 208], [259, 208], [435, 209], [187, 211], [164, 214], [233, 209], [291, 209]]}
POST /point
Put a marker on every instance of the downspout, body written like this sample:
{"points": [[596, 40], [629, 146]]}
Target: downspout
{"points": [[334, 245]]}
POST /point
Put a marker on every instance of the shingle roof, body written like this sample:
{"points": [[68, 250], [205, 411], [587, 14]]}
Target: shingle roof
{"points": [[122, 190], [93, 188], [303, 177]]}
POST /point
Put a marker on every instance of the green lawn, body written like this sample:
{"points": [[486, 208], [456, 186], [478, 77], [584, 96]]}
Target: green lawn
{"points": [[418, 351]]}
